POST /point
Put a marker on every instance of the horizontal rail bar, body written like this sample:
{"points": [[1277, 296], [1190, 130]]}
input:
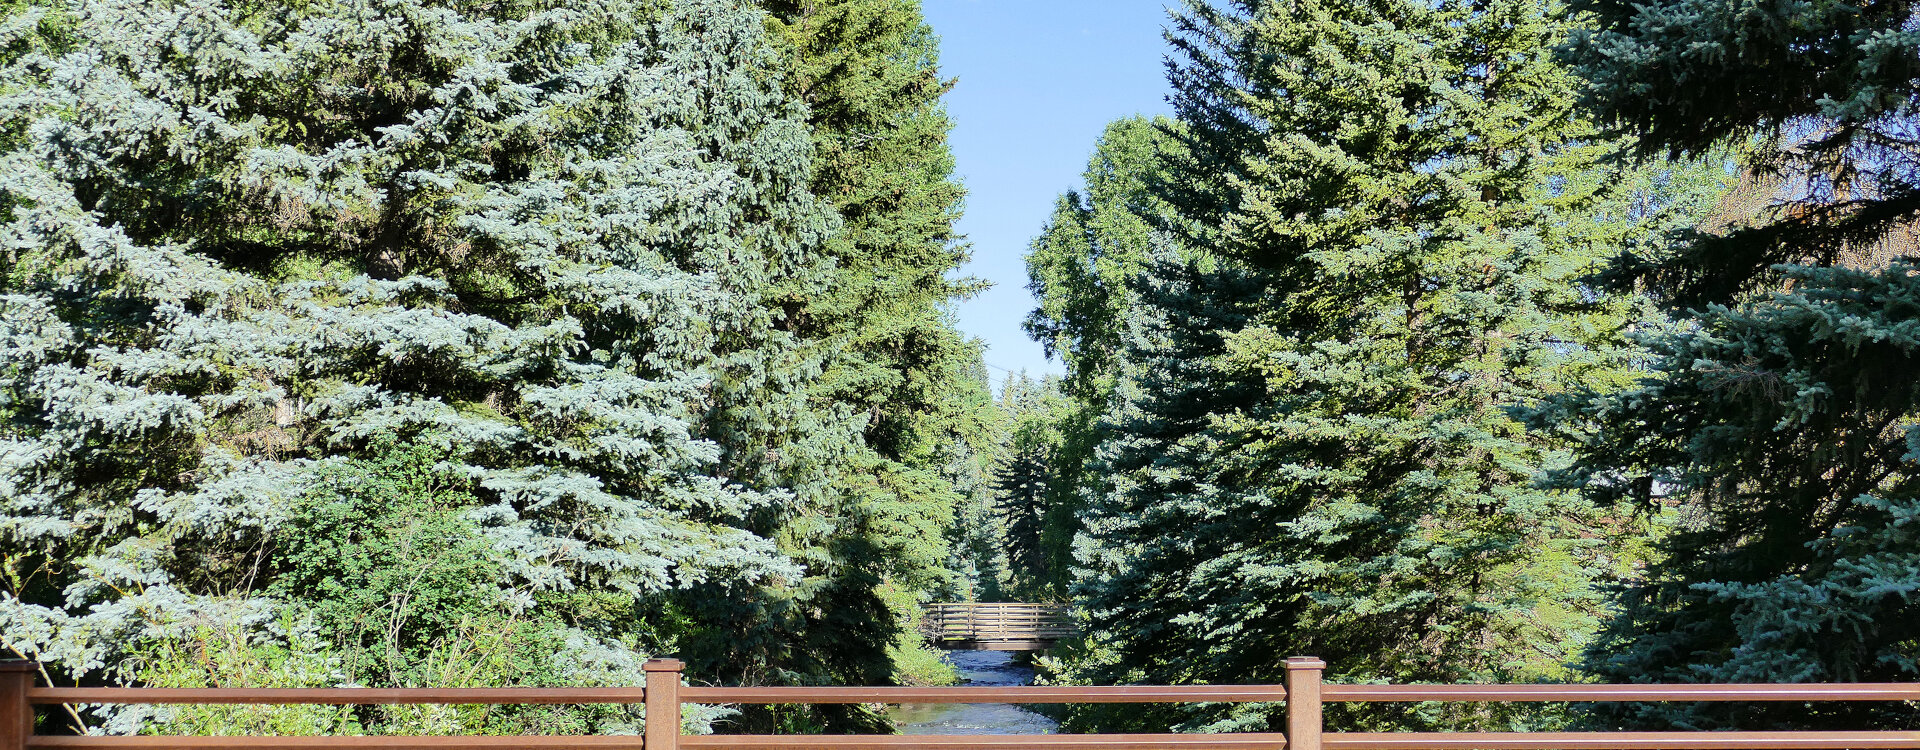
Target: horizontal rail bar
{"points": [[176, 742], [992, 741], [1019, 694], [762, 742], [1620, 740], [1018, 617], [989, 626], [1884, 691], [1000, 637], [1263, 741], [961, 627], [338, 696], [1003, 636], [1806, 692], [957, 627], [1031, 610]]}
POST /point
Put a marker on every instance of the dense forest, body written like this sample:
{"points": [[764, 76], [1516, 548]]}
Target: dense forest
{"points": [[448, 343], [1498, 341]]}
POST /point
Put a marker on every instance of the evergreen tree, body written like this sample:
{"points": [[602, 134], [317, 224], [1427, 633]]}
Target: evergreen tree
{"points": [[1095, 242], [1026, 481], [1310, 442], [1822, 96], [553, 247], [1777, 426], [1022, 487], [869, 71], [895, 365], [978, 558], [1080, 267], [1778, 441]]}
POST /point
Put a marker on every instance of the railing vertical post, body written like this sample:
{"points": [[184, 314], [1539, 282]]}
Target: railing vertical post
{"points": [[663, 704], [1303, 702], [16, 714]]}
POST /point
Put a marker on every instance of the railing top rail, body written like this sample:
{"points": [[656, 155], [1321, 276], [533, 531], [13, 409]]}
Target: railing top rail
{"points": [[383, 742], [1619, 740], [338, 696], [1015, 694], [1243, 741], [1588, 693], [1247, 741]]}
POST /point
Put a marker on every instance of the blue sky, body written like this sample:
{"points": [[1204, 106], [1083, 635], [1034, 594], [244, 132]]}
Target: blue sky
{"points": [[1038, 81]]}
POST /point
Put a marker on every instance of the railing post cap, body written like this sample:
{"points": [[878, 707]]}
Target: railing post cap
{"points": [[16, 665], [662, 665], [1305, 662]]}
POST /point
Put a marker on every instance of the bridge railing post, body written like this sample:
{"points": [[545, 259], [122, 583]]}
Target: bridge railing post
{"points": [[1304, 722], [16, 713], [663, 704]]}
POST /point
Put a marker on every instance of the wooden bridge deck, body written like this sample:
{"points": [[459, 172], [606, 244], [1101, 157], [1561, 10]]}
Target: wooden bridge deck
{"points": [[997, 626]]}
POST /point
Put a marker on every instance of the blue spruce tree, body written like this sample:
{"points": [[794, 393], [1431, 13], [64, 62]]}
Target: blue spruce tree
{"points": [[1776, 430], [548, 247]]}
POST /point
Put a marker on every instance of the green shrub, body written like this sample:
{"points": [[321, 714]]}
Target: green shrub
{"points": [[224, 652]]}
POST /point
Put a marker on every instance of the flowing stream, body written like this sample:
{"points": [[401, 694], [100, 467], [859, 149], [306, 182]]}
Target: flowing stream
{"points": [[976, 668]]}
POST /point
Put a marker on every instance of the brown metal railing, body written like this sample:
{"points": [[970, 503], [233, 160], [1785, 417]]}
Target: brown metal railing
{"points": [[663, 696]]}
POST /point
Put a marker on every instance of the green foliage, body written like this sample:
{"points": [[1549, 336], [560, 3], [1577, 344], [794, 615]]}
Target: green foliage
{"points": [[978, 557], [1686, 75], [553, 247], [917, 664], [380, 579], [1775, 422], [1374, 219], [895, 370], [1821, 93], [437, 343], [869, 71], [1082, 266], [1027, 484], [229, 654], [386, 558], [1093, 245], [1785, 434]]}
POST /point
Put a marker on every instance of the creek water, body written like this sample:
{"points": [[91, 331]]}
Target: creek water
{"points": [[976, 668]]}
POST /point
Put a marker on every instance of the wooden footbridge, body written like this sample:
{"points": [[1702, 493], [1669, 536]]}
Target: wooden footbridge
{"points": [[997, 626]]}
